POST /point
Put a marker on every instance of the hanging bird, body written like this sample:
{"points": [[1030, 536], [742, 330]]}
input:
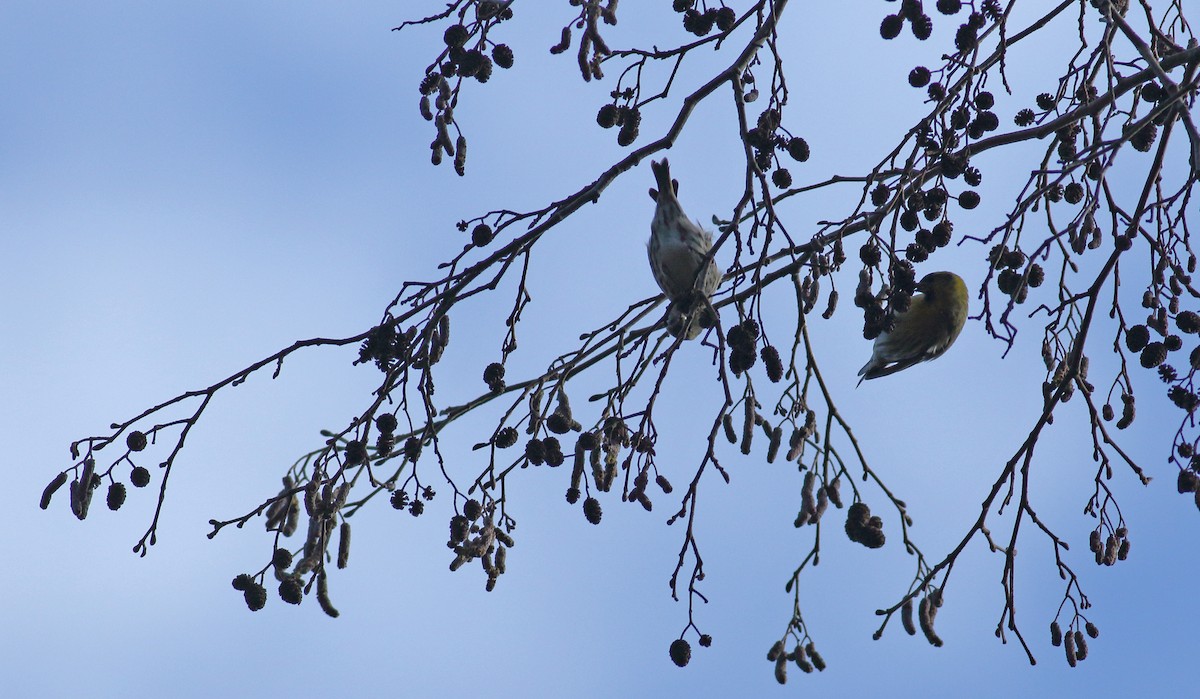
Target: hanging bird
{"points": [[676, 249], [925, 331]]}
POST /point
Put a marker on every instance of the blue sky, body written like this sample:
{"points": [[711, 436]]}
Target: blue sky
{"points": [[188, 187]]}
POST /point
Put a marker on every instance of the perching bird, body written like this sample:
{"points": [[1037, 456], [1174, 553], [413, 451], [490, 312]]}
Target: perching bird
{"points": [[676, 249], [925, 331]]}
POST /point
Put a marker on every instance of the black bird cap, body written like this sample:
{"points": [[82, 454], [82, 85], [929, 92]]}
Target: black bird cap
{"points": [[928, 282]]}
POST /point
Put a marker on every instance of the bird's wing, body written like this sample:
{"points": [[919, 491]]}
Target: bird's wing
{"points": [[888, 369]]}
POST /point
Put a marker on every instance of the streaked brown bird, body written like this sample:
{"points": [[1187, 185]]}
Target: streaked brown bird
{"points": [[925, 331], [677, 249]]}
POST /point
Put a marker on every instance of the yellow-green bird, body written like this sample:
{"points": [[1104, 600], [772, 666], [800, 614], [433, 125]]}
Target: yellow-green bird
{"points": [[925, 331]]}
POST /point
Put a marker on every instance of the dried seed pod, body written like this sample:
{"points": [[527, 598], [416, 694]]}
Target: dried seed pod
{"points": [[773, 364], [255, 596], [139, 477], [681, 652], [116, 496], [291, 591], [592, 510], [136, 440]]}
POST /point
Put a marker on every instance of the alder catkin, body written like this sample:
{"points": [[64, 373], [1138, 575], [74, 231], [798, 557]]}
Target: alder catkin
{"points": [[748, 427], [906, 618], [773, 446], [343, 554]]}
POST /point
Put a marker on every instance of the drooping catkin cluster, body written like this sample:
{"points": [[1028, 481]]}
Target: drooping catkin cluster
{"points": [[1060, 376], [598, 453], [640, 482], [82, 487], [750, 419], [538, 450], [805, 656], [801, 435], [283, 515], [606, 457], [474, 535], [1110, 549], [465, 55], [1074, 641], [88, 479], [322, 500], [927, 612], [592, 47], [813, 505]]}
